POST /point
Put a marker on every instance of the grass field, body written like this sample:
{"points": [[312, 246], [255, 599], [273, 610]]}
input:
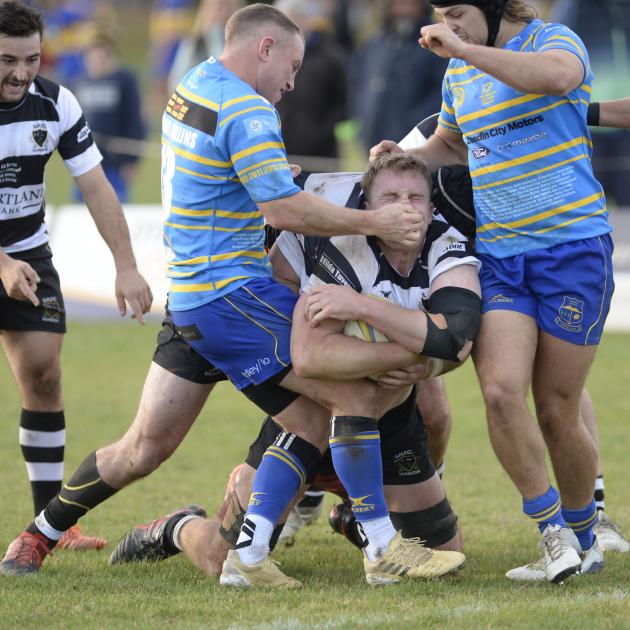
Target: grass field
{"points": [[104, 366]]}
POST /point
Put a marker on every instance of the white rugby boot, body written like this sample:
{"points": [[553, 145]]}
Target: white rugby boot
{"points": [[609, 534], [561, 557], [299, 517], [263, 574]]}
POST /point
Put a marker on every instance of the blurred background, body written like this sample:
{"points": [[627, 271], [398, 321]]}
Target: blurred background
{"points": [[364, 78]]}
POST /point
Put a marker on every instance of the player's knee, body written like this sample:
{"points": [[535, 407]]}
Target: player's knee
{"points": [[501, 400], [438, 420], [43, 384], [556, 417]]}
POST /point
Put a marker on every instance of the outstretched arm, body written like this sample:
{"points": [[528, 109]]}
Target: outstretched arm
{"points": [[108, 216]]}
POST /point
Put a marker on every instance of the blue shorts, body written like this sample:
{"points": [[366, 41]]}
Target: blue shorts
{"points": [[566, 288], [246, 333]]}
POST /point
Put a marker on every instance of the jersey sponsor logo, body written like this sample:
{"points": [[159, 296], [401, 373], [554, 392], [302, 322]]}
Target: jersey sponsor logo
{"points": [[14, 205], [480, 152], [83, 134], [39, 136], [506, 147], [407, 463], [570, 314], [502, 130], [488, 93], [385, 294], [454, 247], [179, 134]]}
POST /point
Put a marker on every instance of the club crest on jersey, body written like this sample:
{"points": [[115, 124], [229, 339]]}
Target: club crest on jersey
{"points": [[570, 314], [39, 136], [488, 93], [460, 96]]}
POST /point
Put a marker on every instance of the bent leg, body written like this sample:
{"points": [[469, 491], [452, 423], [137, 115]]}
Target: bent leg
{"points": [[436, 415]]}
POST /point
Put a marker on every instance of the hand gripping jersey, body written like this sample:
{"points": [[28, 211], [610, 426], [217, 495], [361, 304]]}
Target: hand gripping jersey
{"points": [[47, 118], [222, 153], [529, 154], [357, 261]]}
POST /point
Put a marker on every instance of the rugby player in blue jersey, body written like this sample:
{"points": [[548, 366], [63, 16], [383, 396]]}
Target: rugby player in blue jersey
{"points": [[515, 97]]}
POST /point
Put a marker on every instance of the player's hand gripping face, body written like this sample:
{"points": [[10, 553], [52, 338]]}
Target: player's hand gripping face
{"points": [[462, 24], [404, 199], [19, 65]]}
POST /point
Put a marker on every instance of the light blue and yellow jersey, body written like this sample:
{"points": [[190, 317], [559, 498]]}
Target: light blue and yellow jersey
{"points": [[529, 154], [222, 153]]}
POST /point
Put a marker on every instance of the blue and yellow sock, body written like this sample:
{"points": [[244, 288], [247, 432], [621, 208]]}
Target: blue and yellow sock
{"points": [[582, 522], [281, 473], [355, 446], [545, 509]]}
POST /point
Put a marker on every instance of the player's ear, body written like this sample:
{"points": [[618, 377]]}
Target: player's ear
{"points": [[266, 44]]}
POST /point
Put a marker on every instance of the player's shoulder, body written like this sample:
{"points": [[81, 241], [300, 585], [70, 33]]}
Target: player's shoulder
{"points": [[45, 88]]}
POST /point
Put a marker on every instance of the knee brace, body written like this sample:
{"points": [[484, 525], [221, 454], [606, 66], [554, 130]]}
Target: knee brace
{"points": [[435, 525]]}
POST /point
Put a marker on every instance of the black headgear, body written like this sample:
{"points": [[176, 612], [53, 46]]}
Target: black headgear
{"points": [[492, 9]]}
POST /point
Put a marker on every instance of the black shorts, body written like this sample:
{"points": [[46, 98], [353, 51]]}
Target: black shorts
{"points": [[403, 449], [50, 315], [175, 355]]}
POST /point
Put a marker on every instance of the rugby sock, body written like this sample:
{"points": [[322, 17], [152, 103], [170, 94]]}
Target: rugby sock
{"points": [[172, 530], [311, 499], [281, 473], [582, 522], [355, 446], [84, 491], [598, 495], [545, 509], [42, 439]]}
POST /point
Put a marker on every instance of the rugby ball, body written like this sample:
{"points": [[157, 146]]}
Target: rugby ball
{"points": [[359, 329]]}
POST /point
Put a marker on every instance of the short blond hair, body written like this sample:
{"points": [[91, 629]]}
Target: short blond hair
{"points": [[246, 21], [394, 163]]}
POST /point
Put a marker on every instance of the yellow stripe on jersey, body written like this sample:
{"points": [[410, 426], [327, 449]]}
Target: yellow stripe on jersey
{"points": [[539, 217], [571, 221], [530, 158], [180, 274], [259, 164], [191, 213], [210, 286], [195, 98], [245, 111], [179, 226], [586, 88], [566, 39], [191, 261], [241, 99], [526, 98], [462, 70], [257, 148], [213, 177], [448, 124], [532, 173], [196, 158], [228, 256], [466, 81]]}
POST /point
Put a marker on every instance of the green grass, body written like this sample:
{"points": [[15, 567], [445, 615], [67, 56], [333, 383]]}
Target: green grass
{"points": [[104, 367]]}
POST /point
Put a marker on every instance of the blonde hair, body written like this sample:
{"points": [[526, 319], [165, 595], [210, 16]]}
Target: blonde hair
{"points": [[249, 19], [519, 11], [394, 163]]}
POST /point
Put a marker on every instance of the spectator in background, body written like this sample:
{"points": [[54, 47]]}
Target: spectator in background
{"points": [[393, 82], [206, 37], [110, 98], [169, 22], [605, 29], [318, 101]]}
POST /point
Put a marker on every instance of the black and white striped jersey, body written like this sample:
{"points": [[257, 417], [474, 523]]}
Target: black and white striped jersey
{"points": [[48, 118], [357, 261]]}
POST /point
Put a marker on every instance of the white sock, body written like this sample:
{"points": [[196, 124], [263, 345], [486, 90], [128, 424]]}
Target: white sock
{"points": [[178, 528], [46, 528], [379, 532], [255, 536]]}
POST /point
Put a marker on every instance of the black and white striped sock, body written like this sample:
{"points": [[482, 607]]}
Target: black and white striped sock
{"points": [[42, 439], [598, 494]]}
